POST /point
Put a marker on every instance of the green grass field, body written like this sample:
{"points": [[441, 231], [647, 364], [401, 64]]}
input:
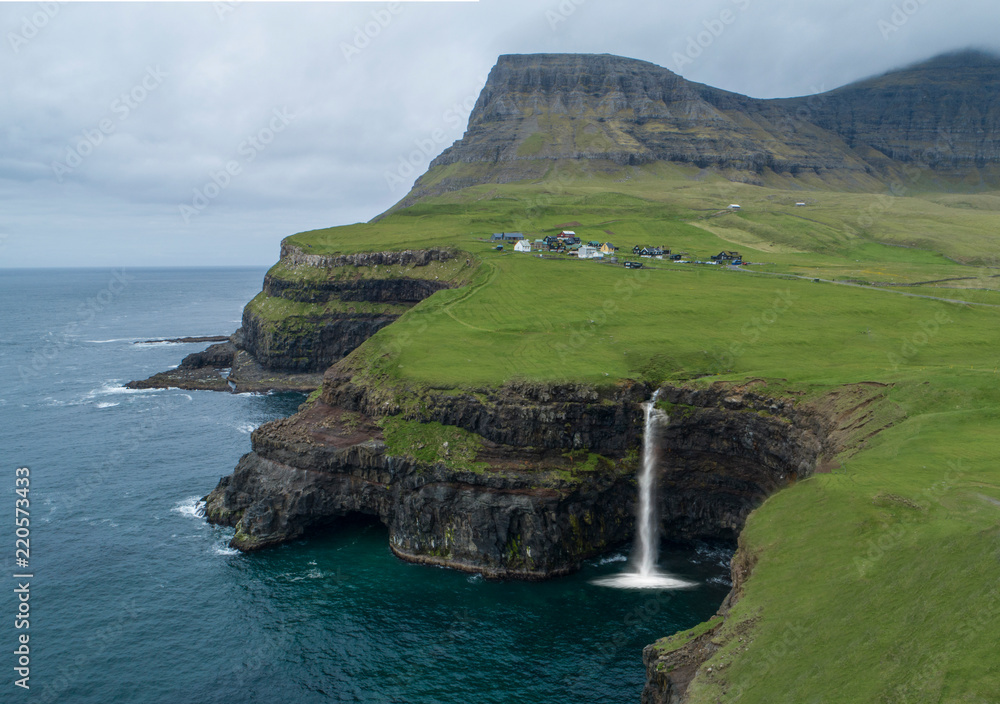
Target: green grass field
{"points": [[876, 583]]}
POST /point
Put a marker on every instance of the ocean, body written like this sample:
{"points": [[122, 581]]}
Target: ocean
{"points": [[135, 598]]}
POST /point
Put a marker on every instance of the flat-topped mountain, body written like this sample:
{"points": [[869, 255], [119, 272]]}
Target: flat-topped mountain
{"points": [[610, 111]]}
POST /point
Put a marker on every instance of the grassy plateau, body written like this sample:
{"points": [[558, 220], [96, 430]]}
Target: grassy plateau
{"points": [[878, 582]]}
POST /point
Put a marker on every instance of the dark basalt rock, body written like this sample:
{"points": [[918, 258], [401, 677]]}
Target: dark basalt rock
{"points": [[723, 455], [360, 290], [310, 469], [292, 353], [308, 344]]}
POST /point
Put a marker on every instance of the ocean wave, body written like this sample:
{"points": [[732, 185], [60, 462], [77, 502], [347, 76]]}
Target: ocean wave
{"points": [[108, 404], [716, 555], [114, 387], [193, 507], [224, 549], [247, 428], [117, 339]]}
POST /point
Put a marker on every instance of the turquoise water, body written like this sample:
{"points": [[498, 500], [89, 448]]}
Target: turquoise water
{"points": [[136, 599]]}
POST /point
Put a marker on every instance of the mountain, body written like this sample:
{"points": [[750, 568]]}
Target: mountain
{"points": [[944, 112], [611, 112]]}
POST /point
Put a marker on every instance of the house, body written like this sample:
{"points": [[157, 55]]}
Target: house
{"points": [[506, 237], [588, 252], [594, 244], [608, 248], [642, 251], [522, 246], [725, 256], [567, 233], [633, 265], [734, 206]]}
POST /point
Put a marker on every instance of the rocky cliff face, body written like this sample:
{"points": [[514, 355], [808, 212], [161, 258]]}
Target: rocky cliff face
{"points": [[943, 114], [342, 301], [763, 448], [532, 505], [531, 518], [314, 310], [609, 111]]}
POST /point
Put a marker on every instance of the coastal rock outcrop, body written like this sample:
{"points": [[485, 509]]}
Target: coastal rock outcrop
{"points": [[314, 310], [521, 522], [549, 482]]}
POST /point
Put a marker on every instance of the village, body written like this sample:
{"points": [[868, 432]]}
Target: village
{"points": [[567, 244]]}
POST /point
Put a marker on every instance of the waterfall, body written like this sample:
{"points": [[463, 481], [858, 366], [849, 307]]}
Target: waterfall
{"points": [[644, 574], [647, 521]]}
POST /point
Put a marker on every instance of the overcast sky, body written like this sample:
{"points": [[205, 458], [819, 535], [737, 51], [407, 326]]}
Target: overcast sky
{"points": [[118, 121]]}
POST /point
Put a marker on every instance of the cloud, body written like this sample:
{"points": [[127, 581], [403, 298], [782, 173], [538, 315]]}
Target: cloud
{"points": [[157, 100]]}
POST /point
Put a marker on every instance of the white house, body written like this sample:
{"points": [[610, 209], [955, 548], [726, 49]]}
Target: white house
{"points": [[522, 246], [588, 252]]}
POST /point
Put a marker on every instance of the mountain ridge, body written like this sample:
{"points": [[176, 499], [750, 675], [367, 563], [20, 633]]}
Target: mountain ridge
{"points": [[611, 112]]}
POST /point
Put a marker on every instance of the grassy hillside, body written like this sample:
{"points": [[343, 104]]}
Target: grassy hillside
{"points": [[875, 583]]}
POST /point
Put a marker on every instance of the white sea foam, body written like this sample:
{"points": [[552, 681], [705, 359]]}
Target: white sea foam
{"points": [[193, 507], [611, 559], [247, 428], [113, 388], [224, 549], [108, 404], [635, 580]]}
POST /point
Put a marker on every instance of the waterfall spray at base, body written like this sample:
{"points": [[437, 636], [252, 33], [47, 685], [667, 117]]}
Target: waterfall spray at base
{"points": [[644, 574]]}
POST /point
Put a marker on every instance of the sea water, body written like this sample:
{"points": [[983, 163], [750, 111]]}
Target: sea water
{"points": [[135, 598]]}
